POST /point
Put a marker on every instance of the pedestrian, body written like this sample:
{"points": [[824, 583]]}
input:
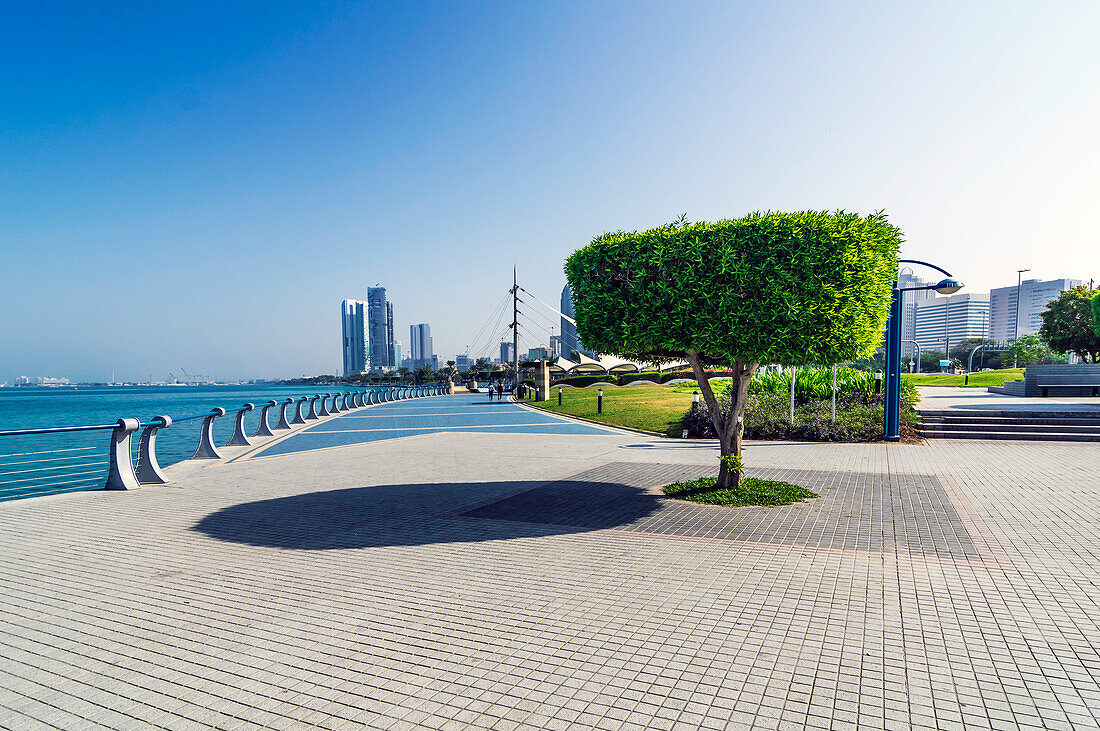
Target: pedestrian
{"points": [[500, 390], [490, 390]]}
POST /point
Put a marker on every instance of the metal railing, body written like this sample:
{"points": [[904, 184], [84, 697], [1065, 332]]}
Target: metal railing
{"points": [[26, 471]]}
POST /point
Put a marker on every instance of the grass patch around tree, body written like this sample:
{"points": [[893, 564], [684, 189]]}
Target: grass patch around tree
{"points": [[751, 491], [976, 380]]}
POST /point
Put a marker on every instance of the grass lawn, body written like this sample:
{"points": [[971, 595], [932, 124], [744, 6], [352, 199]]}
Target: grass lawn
{"points": [[977, 380], [652, 408], [751, 491]]}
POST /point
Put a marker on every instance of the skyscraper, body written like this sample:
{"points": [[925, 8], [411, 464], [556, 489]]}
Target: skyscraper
{"points": [[569, 340], [391, 353], [507, 350], [1034, 297], [420, 345], [953, 319], [380, 329], [353, 318], [906, 278]]}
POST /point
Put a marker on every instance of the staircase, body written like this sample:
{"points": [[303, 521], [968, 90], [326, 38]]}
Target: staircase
{"points": [[1065, 426]]}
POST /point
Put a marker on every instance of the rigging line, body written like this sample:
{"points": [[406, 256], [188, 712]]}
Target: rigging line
{"points": [[544, 317], [485, 344], [488, 351], [536, 323], [552, 309], [499, 306]]}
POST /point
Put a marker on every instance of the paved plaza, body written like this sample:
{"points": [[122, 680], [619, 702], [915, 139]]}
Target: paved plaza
{"points": [[494, 567]]}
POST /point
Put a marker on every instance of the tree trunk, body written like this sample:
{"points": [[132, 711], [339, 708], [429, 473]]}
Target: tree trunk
{"points": [[729, 429]]}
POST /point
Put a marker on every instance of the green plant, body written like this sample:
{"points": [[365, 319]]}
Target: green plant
{"points": [[1028, 349], [752, 491], [1096, 314], [788, 288], [1068, 324], [817, 383], [733, 464]]}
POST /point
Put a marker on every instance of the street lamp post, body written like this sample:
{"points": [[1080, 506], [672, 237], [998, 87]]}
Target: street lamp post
{"points": [[892, 410], [1016, 320]]}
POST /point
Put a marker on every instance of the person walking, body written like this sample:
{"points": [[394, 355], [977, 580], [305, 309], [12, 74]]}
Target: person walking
{"points": [[500, 390], [490, 390]]}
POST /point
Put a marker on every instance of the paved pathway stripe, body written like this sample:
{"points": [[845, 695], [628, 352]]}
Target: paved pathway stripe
{"points": [[405, 418]]}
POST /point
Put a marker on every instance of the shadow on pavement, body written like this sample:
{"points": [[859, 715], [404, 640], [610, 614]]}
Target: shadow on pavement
{"points": [[421, 514]]}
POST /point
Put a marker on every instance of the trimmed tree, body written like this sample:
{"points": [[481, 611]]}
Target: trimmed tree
{"points": [[790, 288], [1068, 324], [1096, 314]]}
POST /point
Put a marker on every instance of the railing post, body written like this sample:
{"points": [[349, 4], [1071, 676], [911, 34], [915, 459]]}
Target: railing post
{"points": [[357, 399], [239, 439], [348, 406], [206, 449], [324, 407], [121, 476], [148, 469], [313, 407], [299, 417], [283, 423], [264, 430]]}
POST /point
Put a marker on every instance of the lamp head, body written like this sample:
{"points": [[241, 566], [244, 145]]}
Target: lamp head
{"points": [[948, 286]]}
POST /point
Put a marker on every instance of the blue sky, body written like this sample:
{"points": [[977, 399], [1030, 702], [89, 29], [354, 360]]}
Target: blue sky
{"points": [[200, 185]]}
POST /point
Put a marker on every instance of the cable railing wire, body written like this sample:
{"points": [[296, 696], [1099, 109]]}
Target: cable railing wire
{"points": [[124, 462]]}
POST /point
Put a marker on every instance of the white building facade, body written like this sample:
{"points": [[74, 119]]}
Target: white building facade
{"points": [[940, 323], [1006, 323], [909, 301], [353, 319]]}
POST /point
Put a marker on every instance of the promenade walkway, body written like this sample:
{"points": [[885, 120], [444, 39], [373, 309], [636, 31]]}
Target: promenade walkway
{"points": [[427, 569]]}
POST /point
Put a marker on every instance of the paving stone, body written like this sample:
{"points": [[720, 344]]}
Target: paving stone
{"points": [[482, 580]]}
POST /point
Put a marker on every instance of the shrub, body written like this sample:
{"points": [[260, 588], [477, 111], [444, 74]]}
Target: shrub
{"points": [[767, 416], [817, 383]]}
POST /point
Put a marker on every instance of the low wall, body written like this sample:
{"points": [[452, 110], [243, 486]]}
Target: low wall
{"points": [[1060, 380]]}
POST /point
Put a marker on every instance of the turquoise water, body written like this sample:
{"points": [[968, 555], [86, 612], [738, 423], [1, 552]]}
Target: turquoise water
{"points": [[34, 465]]}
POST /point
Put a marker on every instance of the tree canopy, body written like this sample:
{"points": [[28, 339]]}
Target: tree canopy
{"points": [[1068, 324], [790, 288]]}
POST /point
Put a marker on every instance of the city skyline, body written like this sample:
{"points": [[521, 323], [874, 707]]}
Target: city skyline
{"points": [[198, 161]]}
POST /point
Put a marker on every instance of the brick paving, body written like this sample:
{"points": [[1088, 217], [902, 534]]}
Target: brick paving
{"points": [[448, 581]]}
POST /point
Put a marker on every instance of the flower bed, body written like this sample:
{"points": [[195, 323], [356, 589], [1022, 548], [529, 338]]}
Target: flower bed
{"points": [[859, 418]]}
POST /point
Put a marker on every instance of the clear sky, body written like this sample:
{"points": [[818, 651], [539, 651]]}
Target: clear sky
{"points": [[198, 186]]}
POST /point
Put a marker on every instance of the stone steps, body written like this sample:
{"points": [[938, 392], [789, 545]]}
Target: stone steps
{"points": [[1026, 425]]}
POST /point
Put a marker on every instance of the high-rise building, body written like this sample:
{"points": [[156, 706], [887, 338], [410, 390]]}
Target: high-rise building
{"points": [[568, 337], [420, 337], [380, 329], [396, 353], [942, 322], [1034, 297], [462, 362], [909, 301], [539, 353], [353, 318], [391, 354], [507, 352]]}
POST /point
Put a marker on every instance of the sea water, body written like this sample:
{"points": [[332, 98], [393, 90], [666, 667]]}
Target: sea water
{"points": [[31, 465]]}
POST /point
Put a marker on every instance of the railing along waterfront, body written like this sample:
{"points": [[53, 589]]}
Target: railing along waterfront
{"points": [[49, 460]]}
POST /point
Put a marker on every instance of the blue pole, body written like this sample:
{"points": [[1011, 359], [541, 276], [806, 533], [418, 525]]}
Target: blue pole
{"points": [[892, 410]]}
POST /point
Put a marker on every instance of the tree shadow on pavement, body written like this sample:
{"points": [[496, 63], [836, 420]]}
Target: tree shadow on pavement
{"points": [[421, 514]]}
